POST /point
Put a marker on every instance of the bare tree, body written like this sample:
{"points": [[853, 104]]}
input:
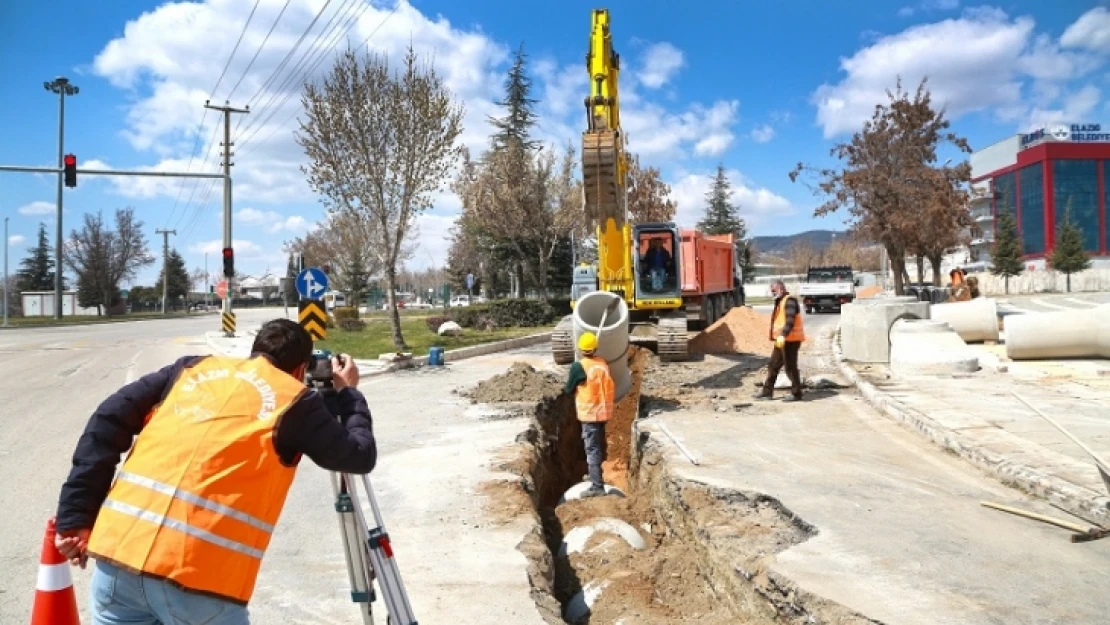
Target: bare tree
{"points": [[104, 258], [648, 196], [886, 177], [380, 143]]}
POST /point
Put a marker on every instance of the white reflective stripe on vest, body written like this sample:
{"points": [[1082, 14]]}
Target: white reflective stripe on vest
{"points": [[196, 500], [181, 526]]}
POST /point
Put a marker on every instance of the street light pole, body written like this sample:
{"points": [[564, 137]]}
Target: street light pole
{"points": [[62, 87]]}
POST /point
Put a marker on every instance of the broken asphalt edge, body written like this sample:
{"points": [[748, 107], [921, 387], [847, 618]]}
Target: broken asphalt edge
{"points": [[375, 368], [1071, 497]]}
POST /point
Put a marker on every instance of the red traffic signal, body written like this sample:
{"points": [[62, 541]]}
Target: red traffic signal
{"points": [[70, 170], [229, 263]]}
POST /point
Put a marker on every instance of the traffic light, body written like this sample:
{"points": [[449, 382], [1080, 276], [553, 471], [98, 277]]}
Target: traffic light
{"points": [[70, 162], [229, 263]]}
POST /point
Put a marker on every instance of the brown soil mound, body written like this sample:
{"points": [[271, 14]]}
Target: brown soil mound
{"points": [[868, 292], [520, 383], [618, 431], [742, 330]]}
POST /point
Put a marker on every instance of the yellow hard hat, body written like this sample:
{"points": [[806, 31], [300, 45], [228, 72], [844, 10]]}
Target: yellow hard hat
{"points": [[587, 342]]}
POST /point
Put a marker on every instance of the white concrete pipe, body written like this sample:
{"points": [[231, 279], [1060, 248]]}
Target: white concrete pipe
{"points": [[613, 338], [929, 347], [974, 320], [1064, 334]]}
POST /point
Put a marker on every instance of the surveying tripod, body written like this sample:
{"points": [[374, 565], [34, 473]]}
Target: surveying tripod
{"points": [[368, 551]]}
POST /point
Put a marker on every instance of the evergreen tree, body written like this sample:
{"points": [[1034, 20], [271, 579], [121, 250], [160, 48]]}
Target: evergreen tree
{"points": [[354, 277], [747, 262], [515, 127], [560, 273], [721, 217], [37, 270], [291, 295], [1068, 256], [1006, 256], [178, 285]]}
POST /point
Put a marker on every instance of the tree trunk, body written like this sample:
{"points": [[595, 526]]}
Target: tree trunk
{"points": [[1006, 282], [898, 265], [1067, 281], [935, 260], [394, 314], [920, 270]]}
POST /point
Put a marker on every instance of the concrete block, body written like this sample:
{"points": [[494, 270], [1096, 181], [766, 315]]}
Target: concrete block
{"points": [[865, 325], [974, 320], [1064, 334], [927, 347]]}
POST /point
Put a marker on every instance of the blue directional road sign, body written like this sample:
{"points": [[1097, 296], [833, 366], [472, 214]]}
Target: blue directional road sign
{"points": [[312, 283], [469, 281]]}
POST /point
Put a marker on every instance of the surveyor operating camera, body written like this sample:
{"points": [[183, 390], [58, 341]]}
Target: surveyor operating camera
{"points": [[217, 441]]}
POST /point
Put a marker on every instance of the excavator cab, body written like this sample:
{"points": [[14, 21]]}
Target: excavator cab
{"points": [[656, 262]]}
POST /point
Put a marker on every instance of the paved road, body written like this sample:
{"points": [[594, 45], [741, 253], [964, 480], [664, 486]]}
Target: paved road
{"points": [[1051, 302], [51, 379]]}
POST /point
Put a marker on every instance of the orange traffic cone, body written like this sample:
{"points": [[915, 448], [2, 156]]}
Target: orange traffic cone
{"points": [[55, 601]]}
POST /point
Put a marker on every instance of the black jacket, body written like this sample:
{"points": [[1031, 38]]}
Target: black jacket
{"points": [[307, 428]]}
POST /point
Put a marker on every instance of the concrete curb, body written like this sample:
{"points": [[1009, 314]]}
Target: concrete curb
{"points": [[82, 324], [1073, 498], [463, 353]]}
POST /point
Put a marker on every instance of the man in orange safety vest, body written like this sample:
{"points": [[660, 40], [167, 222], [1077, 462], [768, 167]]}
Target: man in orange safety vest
{"points": [[179, 534], [593, 389], [788, 333]]}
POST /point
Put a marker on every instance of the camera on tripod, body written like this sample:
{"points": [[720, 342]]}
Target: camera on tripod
{"points": [[319, 374]]}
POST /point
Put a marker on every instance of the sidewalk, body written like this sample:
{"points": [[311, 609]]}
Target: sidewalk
{"points": [[977, 417], [901, 536]]}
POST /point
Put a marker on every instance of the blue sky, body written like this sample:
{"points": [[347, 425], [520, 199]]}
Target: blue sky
{"points": [[755, 86]]}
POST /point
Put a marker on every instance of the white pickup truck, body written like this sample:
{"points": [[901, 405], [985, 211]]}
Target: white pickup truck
{"points": [[827, 287]]}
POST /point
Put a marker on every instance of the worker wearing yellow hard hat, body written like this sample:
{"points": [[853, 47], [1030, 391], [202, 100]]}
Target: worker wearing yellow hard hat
{"points": [[593, 388]]}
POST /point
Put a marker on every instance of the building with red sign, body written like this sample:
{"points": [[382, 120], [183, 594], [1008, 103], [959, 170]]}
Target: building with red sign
{"points": [[1038, 178]]}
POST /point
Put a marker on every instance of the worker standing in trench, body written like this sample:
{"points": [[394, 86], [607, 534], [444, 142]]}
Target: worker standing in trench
{"points": [[788, 333], [593, 388]]}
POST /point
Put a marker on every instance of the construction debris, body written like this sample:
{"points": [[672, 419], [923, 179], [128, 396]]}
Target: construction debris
{"points": [[521, 383], [742, 330]]}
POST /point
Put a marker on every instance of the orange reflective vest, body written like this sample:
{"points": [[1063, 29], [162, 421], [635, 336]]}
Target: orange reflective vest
{"points": [[196, 501], [594, 397], [778, 321]]}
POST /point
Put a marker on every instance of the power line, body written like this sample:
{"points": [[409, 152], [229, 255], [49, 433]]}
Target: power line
{"points": [[204, 115], [310, 53], [292, 50], [243, 142], [259, 50]]}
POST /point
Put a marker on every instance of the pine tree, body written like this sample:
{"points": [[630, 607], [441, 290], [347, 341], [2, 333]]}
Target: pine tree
{"points": [[721, 217], [1068, 256], [178, 285], [515, 127], [37, 270], [354, 277], [1006, 256]]}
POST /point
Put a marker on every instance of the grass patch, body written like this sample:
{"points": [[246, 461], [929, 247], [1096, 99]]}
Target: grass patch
{"points": [[377, 338], [87, 319]]}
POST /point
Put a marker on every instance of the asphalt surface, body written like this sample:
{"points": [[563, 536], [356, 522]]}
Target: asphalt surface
{"points": [[51, 380]]}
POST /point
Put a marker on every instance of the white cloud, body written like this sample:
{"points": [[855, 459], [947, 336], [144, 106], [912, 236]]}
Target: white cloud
{"points": [[763, 134], [979, 61], [38, 207], [1090, 32], [273, 221], [758, 205], [928, 6], [16, 239], [660, 64]]}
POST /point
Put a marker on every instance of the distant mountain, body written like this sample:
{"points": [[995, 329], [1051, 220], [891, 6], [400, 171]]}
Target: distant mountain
{"points": [[779, 245]]}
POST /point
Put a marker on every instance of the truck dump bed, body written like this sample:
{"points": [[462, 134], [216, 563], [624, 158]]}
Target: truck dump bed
{"points": [[707, 263]]}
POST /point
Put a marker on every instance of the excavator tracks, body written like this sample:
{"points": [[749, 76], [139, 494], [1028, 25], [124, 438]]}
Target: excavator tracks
{"points": [[599, 176], [673, 338], [562, 341]]}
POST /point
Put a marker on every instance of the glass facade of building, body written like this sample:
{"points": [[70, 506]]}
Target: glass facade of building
{"points": [[1031, 182], [1075, 190]]}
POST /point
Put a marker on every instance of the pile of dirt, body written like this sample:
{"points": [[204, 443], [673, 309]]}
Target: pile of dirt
{"points": [[618, 431], [742, 330], [521, 383], [868, 292]]}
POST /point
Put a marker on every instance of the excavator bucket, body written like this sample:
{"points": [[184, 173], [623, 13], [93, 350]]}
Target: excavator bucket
{"points": [[600, 168]]}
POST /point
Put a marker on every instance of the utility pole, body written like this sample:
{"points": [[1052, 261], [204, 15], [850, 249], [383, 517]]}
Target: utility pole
{"points": [[62, 87], [6, 271], [165, 264], [227, 110], [206, 281]]}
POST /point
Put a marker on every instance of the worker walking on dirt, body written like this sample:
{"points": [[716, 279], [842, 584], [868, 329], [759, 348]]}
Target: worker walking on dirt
{"points": [[787, 331], [593, 389]]}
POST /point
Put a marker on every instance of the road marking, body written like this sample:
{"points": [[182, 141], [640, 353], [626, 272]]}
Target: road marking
{"points": [[1041, 302], [1083, 302]]}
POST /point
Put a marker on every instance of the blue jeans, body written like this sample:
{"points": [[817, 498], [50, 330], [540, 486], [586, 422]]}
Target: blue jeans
{"points": [[118, 596]]}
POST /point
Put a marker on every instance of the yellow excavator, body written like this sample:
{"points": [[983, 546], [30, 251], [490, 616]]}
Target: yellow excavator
{"points": [[630, 262]]}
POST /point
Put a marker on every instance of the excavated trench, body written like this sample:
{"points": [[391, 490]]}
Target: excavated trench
{"points": [[689, 552]]}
